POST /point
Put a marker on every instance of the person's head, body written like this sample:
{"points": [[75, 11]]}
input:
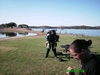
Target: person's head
{"points": [[53, 32], [79, 49]]}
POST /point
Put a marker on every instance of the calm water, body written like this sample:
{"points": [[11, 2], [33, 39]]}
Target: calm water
{"points": [[87, 32], [13, 34]]}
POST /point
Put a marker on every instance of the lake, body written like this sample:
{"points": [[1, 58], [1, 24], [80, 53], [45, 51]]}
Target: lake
{"points": [[85, 32]]}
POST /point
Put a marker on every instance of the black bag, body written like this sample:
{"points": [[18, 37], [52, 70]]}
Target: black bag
{"points": [[59, 53]]}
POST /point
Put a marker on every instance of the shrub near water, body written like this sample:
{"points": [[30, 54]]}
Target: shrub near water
{"points": [[25, 56]]}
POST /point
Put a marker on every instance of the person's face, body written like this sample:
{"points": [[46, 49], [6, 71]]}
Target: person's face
{"points": [[52, 33], [78, 56]]}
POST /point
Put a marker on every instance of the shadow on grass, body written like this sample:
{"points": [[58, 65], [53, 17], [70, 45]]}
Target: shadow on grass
{"points": [[64, 58], [61, 58]]}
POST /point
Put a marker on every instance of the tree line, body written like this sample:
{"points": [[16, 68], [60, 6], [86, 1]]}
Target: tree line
{"points": [[67, 27], [13, 25]]}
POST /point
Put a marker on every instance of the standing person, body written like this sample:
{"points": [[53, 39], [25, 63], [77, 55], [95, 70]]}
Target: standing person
{"points": [[51, 42], [89, 62]]}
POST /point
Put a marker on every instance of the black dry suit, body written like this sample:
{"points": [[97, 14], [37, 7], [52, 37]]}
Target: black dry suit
{"points": [[52, 43]]}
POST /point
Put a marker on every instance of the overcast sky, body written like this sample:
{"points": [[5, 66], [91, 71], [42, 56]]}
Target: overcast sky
{"points": [[51, 12]]}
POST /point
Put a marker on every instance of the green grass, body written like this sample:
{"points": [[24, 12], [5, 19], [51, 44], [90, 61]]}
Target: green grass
{"points": [[25, 56]]}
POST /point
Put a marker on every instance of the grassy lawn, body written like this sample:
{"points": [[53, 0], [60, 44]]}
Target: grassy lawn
{"points": [[25, 56]]}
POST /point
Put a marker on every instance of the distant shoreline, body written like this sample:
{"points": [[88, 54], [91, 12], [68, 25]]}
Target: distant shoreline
{"points": [[67, 27]]}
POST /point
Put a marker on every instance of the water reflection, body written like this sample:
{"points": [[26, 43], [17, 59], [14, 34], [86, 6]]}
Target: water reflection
{"points": [[23, 33], [7, 34], [12, 34]]}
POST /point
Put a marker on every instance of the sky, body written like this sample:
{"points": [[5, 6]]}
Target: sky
{"points": [[51, 12]]}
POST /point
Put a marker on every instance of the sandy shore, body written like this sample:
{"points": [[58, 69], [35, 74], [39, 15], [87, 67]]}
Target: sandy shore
{"points": [[20, 30]]}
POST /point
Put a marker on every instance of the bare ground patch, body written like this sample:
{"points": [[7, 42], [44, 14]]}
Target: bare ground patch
{"points": [[7, 49]]}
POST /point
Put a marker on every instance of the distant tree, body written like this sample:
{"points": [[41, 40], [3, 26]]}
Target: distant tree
{"points": [[12, 25], [3, 25], [23, 26]]}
